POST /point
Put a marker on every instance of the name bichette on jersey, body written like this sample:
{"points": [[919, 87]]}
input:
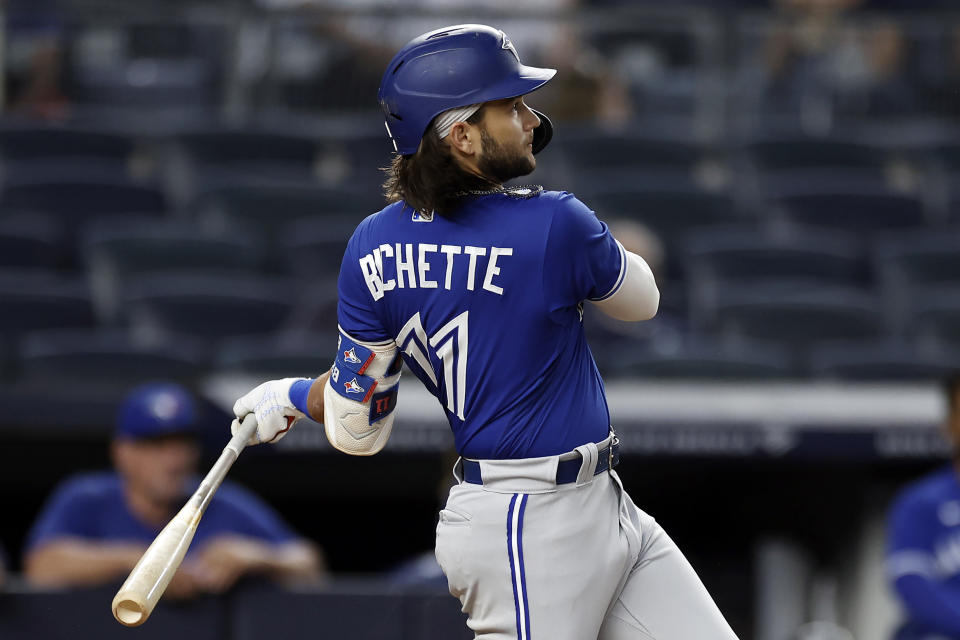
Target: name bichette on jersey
{"points": [[414, 270]]}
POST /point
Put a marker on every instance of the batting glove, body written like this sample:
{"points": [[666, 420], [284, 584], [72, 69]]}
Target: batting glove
{"points": [[270, 403]]}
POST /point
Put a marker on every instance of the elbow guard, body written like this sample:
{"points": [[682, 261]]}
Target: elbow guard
{"points": [[360, 396]]}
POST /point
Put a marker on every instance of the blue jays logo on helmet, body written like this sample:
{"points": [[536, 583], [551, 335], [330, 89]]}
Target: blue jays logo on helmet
{"points": [[353, 386], [351, 356], [448, 68]]}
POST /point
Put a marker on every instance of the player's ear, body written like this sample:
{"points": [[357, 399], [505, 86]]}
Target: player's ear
{"points": [[464, 138]]}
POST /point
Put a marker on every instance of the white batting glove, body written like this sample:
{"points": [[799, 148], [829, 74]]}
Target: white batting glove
{"points": [[270, 403]]}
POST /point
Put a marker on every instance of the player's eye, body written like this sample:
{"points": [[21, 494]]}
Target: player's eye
{"points": [[516, 106]]}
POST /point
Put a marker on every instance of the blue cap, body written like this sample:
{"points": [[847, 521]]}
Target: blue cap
{"points": [[447, 68], [157, 409]]}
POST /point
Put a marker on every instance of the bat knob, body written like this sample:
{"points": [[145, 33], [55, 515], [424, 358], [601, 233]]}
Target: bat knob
{"points": [[129, 612]]}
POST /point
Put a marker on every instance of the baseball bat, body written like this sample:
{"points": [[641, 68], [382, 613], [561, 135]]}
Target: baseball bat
{"points": [[146, 583]]}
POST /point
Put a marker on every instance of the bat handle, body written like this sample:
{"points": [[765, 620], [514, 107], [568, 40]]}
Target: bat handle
{"points": [[230, 454]]}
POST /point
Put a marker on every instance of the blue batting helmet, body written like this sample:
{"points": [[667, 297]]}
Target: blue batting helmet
{"points": [[454, 67], [157, 409]]}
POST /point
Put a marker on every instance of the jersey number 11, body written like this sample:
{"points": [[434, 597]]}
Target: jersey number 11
{"points": [[450, 348]]}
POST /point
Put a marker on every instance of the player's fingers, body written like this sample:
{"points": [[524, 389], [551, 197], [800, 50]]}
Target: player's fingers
{"points": [[234, 427], [242, 406]]}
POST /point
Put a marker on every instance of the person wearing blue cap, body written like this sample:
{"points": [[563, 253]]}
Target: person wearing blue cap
{"points": [[95, 526]]}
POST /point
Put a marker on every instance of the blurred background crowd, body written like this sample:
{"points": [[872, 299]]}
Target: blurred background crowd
{"points": [[178, 180]]}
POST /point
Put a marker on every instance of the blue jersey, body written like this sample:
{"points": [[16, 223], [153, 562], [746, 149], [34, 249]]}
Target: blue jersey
{"points": [[93, 507], [486, 307], [923, 555]]}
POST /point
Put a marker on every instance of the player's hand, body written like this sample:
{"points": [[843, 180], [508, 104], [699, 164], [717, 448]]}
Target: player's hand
{"points": [[226, 559], [270, 403]]}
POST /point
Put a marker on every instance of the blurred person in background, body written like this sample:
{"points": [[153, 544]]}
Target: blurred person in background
{"points": [[33, 57], [817, 60], [95, 527], [923, 546]]}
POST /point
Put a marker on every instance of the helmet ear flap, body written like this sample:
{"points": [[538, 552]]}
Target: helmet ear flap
{"points": [[543, 133]]}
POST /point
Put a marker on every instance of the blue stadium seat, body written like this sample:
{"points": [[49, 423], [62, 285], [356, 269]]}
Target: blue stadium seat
{"points": [[930, 257], [314, 248], [880, 361], [280, 355], [910, 262], [799, 318], [777, 152], [935, 320], [592, 149], [34, 301], [812, 202], [747, 255], [31, 243], [32, 152], [117, 251], [266, 209], [668, 212], [90, 355], [75, 202], [208, 306], [243, 148], [705, 360]]}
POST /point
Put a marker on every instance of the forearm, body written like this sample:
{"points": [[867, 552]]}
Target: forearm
{"points": [[79, 563], [294, 561], [315, 398], [638, 297]]}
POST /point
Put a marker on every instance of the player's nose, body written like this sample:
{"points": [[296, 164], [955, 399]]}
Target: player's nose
{"points": [[531, 120]]}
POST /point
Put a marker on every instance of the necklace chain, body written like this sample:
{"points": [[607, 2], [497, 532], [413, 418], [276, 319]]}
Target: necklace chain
{"points": [[518, 191]]}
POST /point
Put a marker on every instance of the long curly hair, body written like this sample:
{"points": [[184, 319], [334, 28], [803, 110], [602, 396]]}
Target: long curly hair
{"points": [[430, 180]]}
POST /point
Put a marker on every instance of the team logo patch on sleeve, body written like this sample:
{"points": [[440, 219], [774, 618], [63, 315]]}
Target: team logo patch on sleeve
{"points": [[351, 356], [353, 387]]}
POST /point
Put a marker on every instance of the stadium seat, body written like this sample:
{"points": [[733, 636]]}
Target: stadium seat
{"points": [[880, 361], [935, 320], [745, 255], [30, 244], [31, 142], [812, 202], [704, 360], [76, 202], [591, 148], [314, 248], [725, 260], [117, 251], [799, 318], [32, 301], [776, 152], [908, 263], [90, 355], [280, 355], [266, 209], [667, 212], [50, 153], [207, 306]]}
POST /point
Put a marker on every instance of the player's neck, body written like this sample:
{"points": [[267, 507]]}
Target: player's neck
{"points": [[469, 165]]}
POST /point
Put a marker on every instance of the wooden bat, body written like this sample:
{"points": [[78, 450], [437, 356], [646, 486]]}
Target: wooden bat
{"points": [[146, 583]]}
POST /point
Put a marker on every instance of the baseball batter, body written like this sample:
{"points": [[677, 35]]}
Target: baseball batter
{"points": [[479, 288]]}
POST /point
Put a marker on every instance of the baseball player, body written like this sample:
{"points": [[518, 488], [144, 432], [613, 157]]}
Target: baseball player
{"points": [[479, 288], [923, 554]]}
